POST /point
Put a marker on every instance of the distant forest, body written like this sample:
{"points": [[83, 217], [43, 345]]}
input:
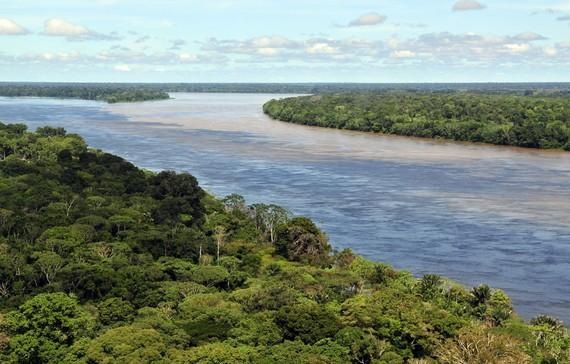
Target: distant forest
{"points": [[34, 89], [107, 93], [532, 121]]}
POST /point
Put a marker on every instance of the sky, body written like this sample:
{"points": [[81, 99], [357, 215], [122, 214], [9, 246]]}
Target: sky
{"points": [[285, 40]]}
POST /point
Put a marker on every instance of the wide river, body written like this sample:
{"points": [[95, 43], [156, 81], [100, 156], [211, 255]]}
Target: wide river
{"points": [[475, 213]]}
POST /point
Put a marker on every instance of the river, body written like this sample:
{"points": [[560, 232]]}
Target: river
{"points": [[474, 213]]}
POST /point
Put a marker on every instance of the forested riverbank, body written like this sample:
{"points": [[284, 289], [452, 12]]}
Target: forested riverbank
{"points": [[104, 262], [107, 93], [502, 119]]}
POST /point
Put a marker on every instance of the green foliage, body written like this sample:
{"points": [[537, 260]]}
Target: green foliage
{"points": [[214, 353], [108, 93], [115, 310], [429, 286], [301, 240], [308, 322], [364, 346], [497, 118], [126, 344], [44, 327]]}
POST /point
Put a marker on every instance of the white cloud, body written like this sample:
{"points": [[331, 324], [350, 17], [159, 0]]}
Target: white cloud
{"points": [[269, 52], [281, 49], [271, 42], [9, 27], [517, 48], [550, 51], [103, 56], [321, 48], [404, 53], [260, 46], [62, 28], [441, 49], [122, 68], [368, 19], [438, 48], [188, 57], [393, 43], [57, 27], [480, 50], [529, 37], [563, 18], [71, 56], [466, 5]]}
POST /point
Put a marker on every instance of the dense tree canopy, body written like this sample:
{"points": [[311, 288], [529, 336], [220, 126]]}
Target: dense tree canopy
{"points": [[519, 88], [504, 119], [99, 92], [101, 262]]}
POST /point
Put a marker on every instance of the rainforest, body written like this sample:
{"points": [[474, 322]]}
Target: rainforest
{"points": [[504, 119]]}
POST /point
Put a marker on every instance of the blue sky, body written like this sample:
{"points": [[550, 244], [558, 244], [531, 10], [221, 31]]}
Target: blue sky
{"points": [[285, 41]]}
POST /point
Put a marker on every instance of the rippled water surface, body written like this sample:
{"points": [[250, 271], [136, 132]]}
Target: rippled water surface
{"points": [[473, 213]]}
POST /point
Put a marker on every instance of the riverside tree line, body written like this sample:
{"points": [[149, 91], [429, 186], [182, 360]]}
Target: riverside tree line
{"points": [[97, 92], [504, 119]]}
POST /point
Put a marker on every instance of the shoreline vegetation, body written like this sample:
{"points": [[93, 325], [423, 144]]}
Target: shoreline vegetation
{"points": [[111, 95], [528, 88], [134, 92], [102, 262], [525, 120]]}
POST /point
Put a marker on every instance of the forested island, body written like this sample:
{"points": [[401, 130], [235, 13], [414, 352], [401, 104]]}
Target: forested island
{"points": [[533, 121], [102, 262], [111, 94]]}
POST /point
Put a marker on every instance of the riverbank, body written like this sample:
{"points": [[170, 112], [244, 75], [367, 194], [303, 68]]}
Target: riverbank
{"points": [[107, 93], [514, 120]]}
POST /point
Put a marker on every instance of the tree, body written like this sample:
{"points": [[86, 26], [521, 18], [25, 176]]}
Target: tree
{"points": [[48, 265], [308, 322], [430, 286], [481, 294], [364, 346], [44, 328], [213, 353], [126, 344], [179, 194], [269, 217], [219, 235], [479, 345], [234, 202], [115, 310], [48, 131], [5, 216], [301, 240], [207, 317]]}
